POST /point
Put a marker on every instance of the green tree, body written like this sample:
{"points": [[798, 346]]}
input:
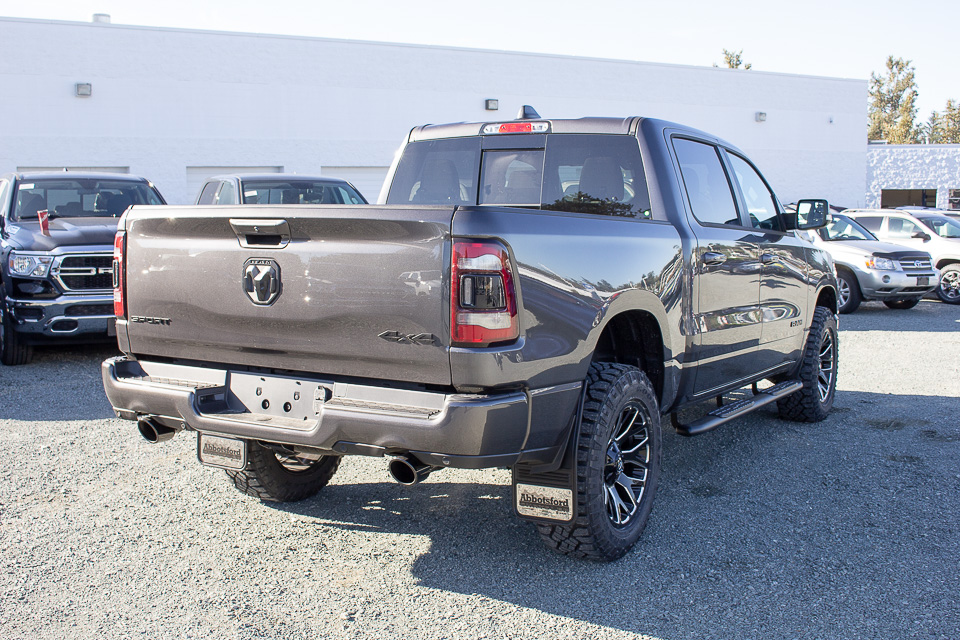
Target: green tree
{"points": [[944, 128], [893, 104], [734, 60]]}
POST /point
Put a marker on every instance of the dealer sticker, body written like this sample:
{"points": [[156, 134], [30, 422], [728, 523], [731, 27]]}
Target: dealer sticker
{"points": [[550, 503]]}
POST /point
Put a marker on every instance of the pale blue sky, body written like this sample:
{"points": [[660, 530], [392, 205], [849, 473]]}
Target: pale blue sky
{"points": [[814, 37]]}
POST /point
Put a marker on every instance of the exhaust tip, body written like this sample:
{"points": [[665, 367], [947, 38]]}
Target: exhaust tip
{"points": [[403, 471], [408, 470], [154, 432]]}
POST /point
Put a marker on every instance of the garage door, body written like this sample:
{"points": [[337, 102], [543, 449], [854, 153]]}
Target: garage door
{"points": [[367, 180], [197, 175]]}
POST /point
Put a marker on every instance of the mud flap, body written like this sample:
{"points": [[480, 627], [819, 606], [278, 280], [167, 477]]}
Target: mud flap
{"points": [[547, 493]]}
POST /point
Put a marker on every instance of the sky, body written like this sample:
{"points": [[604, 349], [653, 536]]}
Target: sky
{"points": [[838, 38]]}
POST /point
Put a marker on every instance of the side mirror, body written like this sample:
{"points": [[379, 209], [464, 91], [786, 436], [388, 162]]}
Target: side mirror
{"points": [[922, 236], [811, 214]]}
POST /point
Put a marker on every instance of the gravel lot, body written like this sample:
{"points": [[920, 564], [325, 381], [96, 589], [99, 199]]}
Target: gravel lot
{"points": [[849, 528]]}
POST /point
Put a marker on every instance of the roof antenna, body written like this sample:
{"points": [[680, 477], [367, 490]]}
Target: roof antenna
{"points": [[527, 113]]}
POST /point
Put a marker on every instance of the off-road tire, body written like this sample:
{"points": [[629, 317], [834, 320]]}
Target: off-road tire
{"points": [[949, 289], [908, 303], [614, 392], [13, 350], [850, 297], [818, 372], [275, 478]]}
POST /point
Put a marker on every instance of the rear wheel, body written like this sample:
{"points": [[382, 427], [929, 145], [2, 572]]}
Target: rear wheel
{"points": [[13, 350], [908, 303], [818, 372], [280, 477], [618, 465], [849, 291], [949, 289]]}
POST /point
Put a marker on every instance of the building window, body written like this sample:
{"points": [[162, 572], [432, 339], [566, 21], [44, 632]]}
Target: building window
{"points": [[893, 198], [953, 200]]}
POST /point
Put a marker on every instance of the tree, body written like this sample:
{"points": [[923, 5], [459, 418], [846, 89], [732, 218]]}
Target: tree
{"points": [[733, 60], [893, 107], [944, 128]]}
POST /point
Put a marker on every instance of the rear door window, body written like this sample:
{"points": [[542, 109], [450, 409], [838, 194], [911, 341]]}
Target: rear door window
{"points": [[706, 183], [871, 222]]}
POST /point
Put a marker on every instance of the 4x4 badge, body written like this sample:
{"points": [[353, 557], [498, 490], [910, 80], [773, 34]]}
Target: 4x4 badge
{"points": [[261, 280]]}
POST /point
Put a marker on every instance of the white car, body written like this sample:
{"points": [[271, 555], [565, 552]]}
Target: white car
{"points": [[868, 269], [937, 234]]}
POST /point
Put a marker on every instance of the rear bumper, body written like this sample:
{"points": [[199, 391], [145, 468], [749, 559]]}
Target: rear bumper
{"points": [[443, 429]]}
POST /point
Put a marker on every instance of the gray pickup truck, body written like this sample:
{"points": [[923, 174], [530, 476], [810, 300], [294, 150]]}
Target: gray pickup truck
{"points": [[533, 294]]}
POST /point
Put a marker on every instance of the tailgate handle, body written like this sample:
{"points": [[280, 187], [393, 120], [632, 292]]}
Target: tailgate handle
{"points": [[261, 233]]}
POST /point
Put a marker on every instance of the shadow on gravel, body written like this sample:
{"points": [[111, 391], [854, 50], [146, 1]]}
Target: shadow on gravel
{"points": [[62, 382], [763, 528]]}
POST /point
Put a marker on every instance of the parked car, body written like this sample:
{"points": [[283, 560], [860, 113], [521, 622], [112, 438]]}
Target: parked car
{"points": [[277, 188], [533, 294], [56, 243], [953, 213], [934, 233], [868, 269]]}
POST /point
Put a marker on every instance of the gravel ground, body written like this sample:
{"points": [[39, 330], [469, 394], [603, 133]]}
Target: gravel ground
{"points": [[762, 529]]}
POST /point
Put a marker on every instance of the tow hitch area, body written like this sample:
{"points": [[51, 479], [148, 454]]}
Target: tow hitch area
{"points": [[224, 453]]}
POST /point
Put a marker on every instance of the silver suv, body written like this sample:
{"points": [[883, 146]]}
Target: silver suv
{"points": [[868, 269], [931, 232]]}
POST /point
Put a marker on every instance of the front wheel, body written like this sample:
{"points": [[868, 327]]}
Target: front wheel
{"points": [[13, 350], [618, 465], [949, 289], [849, 291], [279, 477], [908, 303], [818, 372]]}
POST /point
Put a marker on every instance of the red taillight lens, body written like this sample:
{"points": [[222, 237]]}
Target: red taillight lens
{"points": [[483, 299], [119, 282]]}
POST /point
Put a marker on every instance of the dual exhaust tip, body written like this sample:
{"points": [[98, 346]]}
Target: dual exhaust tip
{"points": [[406, 470]]}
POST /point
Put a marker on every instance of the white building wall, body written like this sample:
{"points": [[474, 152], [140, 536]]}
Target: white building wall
{"points": [[913, 166], [166, 99]]}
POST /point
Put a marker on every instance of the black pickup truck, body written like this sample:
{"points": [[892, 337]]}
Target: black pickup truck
{"points": [[56, 244], [533, 294]]}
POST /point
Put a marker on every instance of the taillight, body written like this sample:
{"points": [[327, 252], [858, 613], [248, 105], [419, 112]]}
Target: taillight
{"points": [[483, 298], [119, 282]]}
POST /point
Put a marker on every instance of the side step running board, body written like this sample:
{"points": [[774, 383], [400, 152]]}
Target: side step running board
{"points": [[728, 412]]}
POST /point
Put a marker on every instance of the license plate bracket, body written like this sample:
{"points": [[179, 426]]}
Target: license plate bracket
{"points": [[922, 281], [220, 452]]}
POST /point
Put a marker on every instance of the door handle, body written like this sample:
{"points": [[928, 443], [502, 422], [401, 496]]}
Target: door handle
{"points": [[713, 258], [768, 258]]}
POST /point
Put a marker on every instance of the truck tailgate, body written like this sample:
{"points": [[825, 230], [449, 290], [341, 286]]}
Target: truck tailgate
{"points": [[352, 291]]}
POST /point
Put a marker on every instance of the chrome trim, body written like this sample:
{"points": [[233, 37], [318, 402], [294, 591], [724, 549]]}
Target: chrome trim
{"points": [[58, 271]]}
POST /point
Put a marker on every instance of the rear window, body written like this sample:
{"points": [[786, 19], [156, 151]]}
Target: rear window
{"points": [[437, 172], [80, 197], [595, 174], [299, 192]]}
